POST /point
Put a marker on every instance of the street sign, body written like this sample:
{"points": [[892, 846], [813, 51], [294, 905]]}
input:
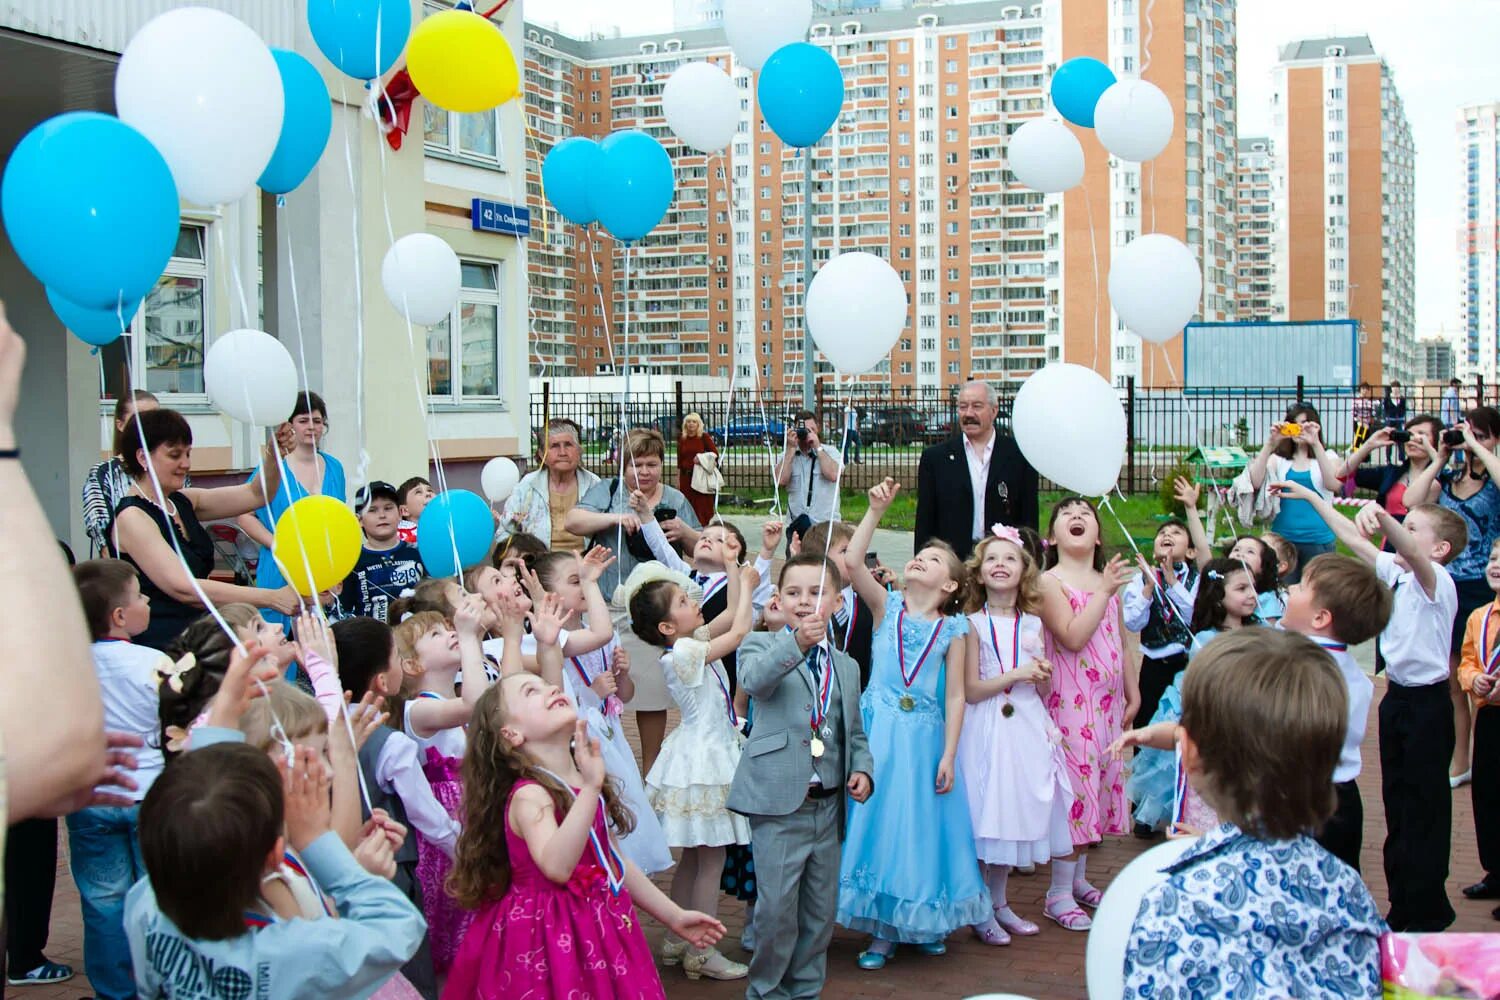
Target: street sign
{"points": [[498, 217]]}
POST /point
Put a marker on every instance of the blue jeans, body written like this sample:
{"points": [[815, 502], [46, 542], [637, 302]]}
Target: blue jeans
{"points": [[105, 851]]}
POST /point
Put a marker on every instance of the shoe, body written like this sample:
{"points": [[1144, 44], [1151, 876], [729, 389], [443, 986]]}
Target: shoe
{"points": [[1087, 894], [933, 948], [1485, 888], [1024, 870], [871, 961], [1495, 913], [709, 963], [1459, 780], [1007, 918], [672, 951], [1067, 914], [1143, 831], [992, 933], [47, 972]]}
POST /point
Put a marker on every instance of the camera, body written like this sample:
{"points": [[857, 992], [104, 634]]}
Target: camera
{"points": [[802, 433], [1291, 429], [1400, 435], [872, 560], [1453, 438], [663, 512]]}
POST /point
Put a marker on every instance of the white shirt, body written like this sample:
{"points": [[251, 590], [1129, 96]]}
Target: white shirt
{"points": [[1136, 602], [127, 685], [1415, 640], [979, 476], [1360, 692], [398, 772], [449, 742]]}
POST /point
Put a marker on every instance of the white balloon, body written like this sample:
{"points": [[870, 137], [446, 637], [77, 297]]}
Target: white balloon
{"points": [[1134, 120], [702, 106], [1155, 286], [250, 375], [205, 90], [1105, 952], [856, 308], [1045, 155], [756, 28], [1069, 424], [421, 276], [498, 479]]}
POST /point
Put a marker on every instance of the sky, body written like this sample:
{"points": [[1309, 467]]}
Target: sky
{"points": [[1441, 53]]}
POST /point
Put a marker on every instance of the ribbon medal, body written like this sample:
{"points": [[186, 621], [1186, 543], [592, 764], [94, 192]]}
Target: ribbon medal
{"points": [[717, 671], [824, 698], [1489, 657], [612, 704], [1006, 708], [1179, 791], [907, 702]]}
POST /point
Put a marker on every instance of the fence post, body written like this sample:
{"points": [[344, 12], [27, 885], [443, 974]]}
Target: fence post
{"points": [[1130, 434], [1301, 384], [1479, 381], [677, 388], [818, 395], [538, 445]]}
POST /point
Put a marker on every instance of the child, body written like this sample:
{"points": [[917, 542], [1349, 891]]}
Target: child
{"points": [[1093, 692], [1256, 908], [517, 549], [1159, 605], [555, 898], [908, 873], [1226, 601], [1255, 553], [1010, 753], [387, 565], [1477, 676], [412, 498], [794, 774], [855, 625], [106, 859], [599, 682], [1416, 717], [689, 781], [1286, 554]]}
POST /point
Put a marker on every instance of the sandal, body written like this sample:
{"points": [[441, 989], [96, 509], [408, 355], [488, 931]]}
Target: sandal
{"points": [[1007, 918], [47, 972], [990, 932], [1070, 919], [1087, 894]]}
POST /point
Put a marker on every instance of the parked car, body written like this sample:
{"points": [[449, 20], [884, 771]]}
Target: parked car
{"points": [[748, 430], [895, 425]]}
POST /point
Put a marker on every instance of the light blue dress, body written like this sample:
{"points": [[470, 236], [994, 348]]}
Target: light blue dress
{"points": [[1270, 606], [267, 573], [909, 873], [1154, 773]]}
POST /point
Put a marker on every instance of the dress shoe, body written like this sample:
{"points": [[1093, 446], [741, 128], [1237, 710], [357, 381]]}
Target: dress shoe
{"points": [[1486, 888]]}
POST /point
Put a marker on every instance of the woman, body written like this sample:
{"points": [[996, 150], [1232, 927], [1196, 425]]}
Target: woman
{"points": [[604, 516], [1469, 490], [1390, 482], [691, 446], [107, 482], [143, 528], [543, 498], [312, 473], [1294, 452]]}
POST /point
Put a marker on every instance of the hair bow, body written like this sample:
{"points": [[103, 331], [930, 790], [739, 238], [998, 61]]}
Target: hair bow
{"points": [[171, 673], [1214, 574], [1006, 533]]}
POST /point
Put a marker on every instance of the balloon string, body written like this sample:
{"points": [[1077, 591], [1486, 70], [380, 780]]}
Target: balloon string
{"points": [[1094, 254], [838, 476], [1146, 52]]}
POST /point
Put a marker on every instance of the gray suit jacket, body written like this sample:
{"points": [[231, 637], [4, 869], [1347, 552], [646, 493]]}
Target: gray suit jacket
{"points": [[772, 777]]}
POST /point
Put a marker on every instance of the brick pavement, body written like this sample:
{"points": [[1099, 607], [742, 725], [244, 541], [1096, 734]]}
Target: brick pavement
{"points": [[1047, 966]]}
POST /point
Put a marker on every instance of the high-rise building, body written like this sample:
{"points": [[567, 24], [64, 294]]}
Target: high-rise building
{"points": [[1000, 279], [1344, 198], [1478, 144], [1254, 230], [689, 14], [1436, 360]]}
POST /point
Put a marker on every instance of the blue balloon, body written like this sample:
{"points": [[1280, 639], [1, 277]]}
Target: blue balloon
{"points": [[635, 185], [304, 127], [569, 171], [454, 519], [346, 32], [90, 206], [93, 326], [801, 90], [1076, 87]]}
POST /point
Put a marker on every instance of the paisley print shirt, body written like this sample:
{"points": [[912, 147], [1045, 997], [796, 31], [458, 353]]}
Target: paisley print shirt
{"points": [[1243, 917]]}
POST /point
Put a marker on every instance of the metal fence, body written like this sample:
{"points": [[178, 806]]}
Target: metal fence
{"points": [[894, 426]]}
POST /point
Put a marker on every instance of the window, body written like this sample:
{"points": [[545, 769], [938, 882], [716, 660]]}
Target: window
{"points": [[171, 358], [473, 137], [476, 352]]}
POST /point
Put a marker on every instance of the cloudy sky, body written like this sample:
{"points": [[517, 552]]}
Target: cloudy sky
{"points": [[1441, 52]]}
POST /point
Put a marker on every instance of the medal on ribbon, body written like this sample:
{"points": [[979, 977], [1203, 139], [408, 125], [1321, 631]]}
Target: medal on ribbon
{"points": [[1006, 708], [612, 704], [609, 859], [907, 702], [716, 670], [1489, 651], [822, 699], [1179, 791]]}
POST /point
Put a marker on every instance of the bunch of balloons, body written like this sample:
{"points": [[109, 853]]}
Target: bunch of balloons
{"points": [[624, 183]]}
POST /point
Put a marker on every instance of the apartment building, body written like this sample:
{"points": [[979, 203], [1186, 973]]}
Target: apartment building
{"points": [[1343, 195], [1001, 279], [1436, 360], [1479, 267], [1254, 230]]}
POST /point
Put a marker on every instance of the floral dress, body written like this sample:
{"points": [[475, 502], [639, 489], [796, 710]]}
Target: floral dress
{"points": [[1087, 703]]}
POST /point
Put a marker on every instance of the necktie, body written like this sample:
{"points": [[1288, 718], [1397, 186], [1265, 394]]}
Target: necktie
{"points": [[815, 665]]}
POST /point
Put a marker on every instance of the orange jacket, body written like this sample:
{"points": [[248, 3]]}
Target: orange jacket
{"points": [[1469, 664]]}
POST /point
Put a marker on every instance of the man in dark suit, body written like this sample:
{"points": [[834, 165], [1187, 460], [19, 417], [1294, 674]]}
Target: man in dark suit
{"points": [[981, 471]]}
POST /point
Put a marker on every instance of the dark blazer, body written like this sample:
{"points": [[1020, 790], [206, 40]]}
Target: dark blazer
{"points": [[945, 497]]}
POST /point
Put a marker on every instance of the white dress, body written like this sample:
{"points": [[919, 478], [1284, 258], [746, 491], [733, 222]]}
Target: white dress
{"points": [[689, 783], [646, 845], [1012, 767]]}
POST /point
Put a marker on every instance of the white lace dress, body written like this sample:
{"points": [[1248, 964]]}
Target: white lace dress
{"points": [[689, 782]]}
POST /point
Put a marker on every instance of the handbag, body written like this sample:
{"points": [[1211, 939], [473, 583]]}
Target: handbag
{"points": [[706, 475]]}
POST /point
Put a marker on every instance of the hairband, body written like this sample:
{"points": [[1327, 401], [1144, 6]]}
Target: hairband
{"points": [[1006, 533]]}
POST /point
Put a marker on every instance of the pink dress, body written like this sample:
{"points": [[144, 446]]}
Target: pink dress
{"points": [[1088, 704], [542, 940]]}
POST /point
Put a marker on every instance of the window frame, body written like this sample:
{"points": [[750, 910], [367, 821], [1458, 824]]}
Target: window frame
{"points": [[456, 398]]}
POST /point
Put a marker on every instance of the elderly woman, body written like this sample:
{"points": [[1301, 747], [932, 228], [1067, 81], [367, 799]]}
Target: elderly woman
{"points": [[691, 447], [542, 499], [107, 482], [144, 527]]}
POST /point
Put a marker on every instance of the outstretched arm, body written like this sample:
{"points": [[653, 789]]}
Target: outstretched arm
{"points": [[865, 585], [1343, 528], [1188, 494], [741, 586], [1372, 519]]}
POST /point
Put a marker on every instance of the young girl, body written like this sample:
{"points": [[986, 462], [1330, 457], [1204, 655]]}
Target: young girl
{"points": [[598, 681], [689, 781], [1226, 601], [908, 873], [536, 860], [1093, 692], [1010, 753]]}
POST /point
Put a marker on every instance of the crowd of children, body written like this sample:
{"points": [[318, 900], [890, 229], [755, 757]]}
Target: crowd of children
{"points": [[429, 789]]}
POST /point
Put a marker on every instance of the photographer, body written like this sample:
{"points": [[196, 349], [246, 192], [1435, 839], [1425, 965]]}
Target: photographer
{"points": [[1294, 452], [1390, 482], [809, 469]]}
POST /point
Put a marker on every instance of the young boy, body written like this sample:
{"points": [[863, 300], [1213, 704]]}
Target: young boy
{"points": [[1159, 605], [412, 498], [387, 565], [1416, 714], [1286, 553], [103, 840], [1263, 714], [1477, 674], [804, 754]]}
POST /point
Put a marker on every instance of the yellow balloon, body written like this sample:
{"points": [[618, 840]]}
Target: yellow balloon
{"points": [[317, 543], [462, 62]]}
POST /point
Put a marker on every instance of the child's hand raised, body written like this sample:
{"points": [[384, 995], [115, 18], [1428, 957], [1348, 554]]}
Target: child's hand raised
{"points": [[770, 535], [1117, 573], [375, 853], [811, 631], [593, 564], [365, 717], [547, 619], [305, 783], [314, 638], [245, 679], [1367, 520], [468, 617], [1293, 491], [588, 758], [883, 493], [697, 929], [749, 577], [1186, 492]]}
